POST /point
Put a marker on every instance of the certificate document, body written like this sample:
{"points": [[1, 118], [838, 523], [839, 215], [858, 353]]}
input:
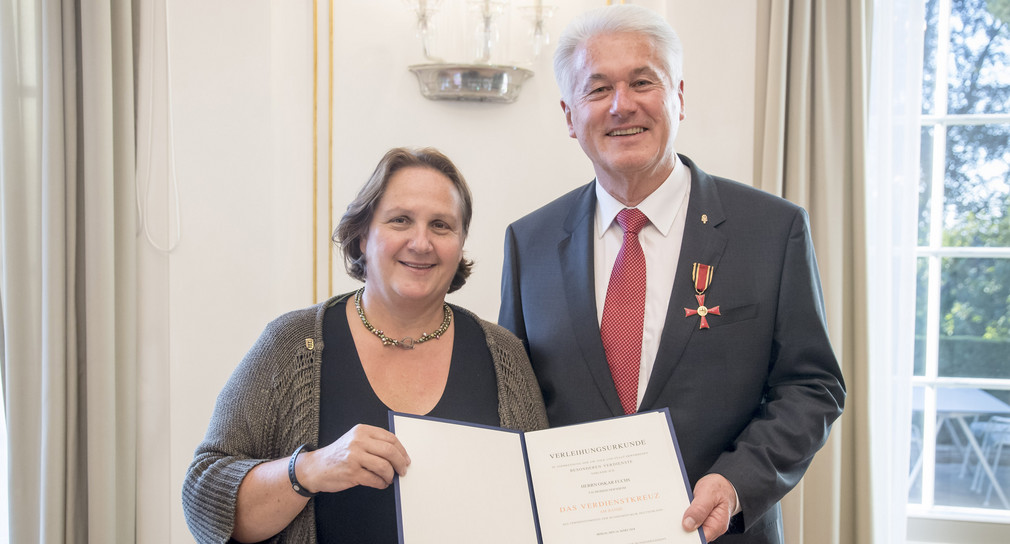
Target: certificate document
{"points": [[616, 480]]}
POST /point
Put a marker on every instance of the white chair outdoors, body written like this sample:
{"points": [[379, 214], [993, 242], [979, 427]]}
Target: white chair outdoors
{"points": [[997, 435], [978, 429], [957, 408], [916, 448]]}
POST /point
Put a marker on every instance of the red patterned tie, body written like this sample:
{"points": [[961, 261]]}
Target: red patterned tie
{"points": [[624, 311]]}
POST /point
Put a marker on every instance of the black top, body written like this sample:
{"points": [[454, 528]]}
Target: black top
{"points": [[365, 514]]}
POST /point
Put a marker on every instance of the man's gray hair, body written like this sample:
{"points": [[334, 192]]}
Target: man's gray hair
{"points": [[621, 18]]}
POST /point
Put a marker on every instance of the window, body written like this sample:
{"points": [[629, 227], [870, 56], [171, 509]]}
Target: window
{"points": [[960, 451]]}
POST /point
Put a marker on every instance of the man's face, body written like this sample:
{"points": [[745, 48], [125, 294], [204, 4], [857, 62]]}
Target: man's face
{"points": [[625, 109]]}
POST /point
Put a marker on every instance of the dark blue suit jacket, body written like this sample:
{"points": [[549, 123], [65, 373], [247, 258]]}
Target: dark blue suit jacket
{"points": [[752, 397]]}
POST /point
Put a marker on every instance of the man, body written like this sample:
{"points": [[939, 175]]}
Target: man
{"points": [[727, 326]]}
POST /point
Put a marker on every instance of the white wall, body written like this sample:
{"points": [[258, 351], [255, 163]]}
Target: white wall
{"points": [[242, 112]]}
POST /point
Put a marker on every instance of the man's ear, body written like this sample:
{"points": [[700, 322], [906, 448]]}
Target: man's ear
{"points": [[680, 96], [568, 119]]}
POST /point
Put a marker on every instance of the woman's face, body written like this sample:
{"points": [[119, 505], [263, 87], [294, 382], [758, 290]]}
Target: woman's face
{"points": [[415, 240]]}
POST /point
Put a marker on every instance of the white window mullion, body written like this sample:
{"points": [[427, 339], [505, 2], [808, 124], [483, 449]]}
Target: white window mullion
{"points": [[937, 176]]}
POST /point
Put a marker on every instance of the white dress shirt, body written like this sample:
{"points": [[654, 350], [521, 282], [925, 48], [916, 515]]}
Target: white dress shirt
{"points": [[661, 239]]}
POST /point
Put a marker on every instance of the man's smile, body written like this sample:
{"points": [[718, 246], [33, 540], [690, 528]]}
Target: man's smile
{"points": [[626, 131]]}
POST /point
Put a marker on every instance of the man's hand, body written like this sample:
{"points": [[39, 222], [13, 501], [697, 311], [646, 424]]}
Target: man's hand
{"points": [[713, 505]]}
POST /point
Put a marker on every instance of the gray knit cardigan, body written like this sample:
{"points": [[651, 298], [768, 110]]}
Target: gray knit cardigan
{"points": [[270, 406]]}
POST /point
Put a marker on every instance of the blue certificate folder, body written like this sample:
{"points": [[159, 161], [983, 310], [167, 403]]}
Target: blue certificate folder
{"points": [[619, 480]]}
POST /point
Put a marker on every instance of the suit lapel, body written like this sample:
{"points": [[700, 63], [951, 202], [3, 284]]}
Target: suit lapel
{"points": [[575, 253], [703, 243]]}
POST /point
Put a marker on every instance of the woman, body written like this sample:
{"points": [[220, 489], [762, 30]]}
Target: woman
{"points": [[327, 375]]}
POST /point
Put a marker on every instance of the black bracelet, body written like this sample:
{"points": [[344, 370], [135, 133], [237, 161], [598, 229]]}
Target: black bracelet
{"points": [[295, 484]]}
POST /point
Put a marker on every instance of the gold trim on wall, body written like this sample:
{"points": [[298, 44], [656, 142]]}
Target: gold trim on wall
{"points": [[315, 149], [315, 152], [329, 155]]}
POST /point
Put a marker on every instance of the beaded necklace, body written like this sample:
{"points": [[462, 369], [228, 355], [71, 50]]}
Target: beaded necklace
{"points": [[406, 342]]}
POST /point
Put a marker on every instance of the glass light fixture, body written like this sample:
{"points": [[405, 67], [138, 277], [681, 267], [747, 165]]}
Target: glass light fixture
{"points": [[537, 14], [485, 32], [425, 10], [482, 79]]}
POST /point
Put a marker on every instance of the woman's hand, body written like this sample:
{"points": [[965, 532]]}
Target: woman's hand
{"points": [[266, 504], [364, 455]]}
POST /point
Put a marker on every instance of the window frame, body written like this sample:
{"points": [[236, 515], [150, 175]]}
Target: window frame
{"points": [[934, 253]]}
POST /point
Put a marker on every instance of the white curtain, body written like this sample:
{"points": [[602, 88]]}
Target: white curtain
{"points": [[810, 145], [68, 259], [891, 208]]}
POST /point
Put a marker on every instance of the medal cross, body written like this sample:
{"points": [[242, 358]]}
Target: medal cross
{"points": [[702, 311]]}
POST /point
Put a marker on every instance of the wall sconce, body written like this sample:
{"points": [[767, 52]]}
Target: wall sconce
{"points": [[481, 79]]}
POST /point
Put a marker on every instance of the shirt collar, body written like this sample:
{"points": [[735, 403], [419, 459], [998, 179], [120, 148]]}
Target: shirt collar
{"points": [[660, 207]]}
